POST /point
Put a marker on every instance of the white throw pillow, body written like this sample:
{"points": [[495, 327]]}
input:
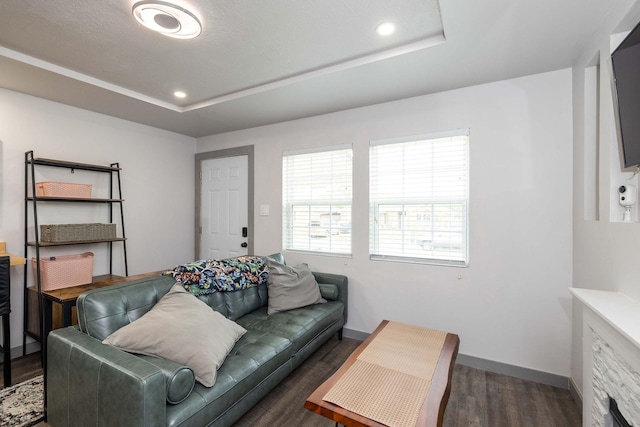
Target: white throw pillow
{"points": [[183, 329]]}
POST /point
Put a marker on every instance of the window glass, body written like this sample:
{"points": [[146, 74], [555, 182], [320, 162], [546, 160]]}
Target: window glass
{"points": [[419, 196], [317, 201]]}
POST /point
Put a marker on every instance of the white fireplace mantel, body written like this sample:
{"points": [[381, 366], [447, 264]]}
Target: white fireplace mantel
{"points": [[611, 334], [615, 308]]}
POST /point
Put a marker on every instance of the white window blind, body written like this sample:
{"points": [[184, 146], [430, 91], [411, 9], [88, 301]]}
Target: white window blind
{"points": [[317, 200], [419, 196]]}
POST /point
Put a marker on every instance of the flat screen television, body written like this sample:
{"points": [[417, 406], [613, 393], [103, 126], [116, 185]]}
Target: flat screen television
{"points": [[626, 72]]}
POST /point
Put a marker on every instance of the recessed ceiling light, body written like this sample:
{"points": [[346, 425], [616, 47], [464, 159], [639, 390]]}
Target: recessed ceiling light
{"points": [[386, 28], [179, 94], [168, 19]]}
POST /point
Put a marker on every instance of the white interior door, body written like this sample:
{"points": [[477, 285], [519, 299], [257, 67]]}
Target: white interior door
{"points": [[224, 208]]}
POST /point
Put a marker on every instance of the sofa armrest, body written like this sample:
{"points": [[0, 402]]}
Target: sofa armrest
{"points": [[90, 383], [341, 282]]}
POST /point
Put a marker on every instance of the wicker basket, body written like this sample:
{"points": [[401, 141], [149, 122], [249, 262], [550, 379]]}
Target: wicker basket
{"points": [[64, 271], [63, 189], [60, 233]]}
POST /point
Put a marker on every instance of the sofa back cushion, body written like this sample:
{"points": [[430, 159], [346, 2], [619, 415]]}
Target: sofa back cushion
{"points": [[103, 311], [236, 304]]}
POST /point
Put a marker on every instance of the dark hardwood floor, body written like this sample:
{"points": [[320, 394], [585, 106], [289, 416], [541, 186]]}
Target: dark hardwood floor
{"points": [[23, 368], [478, 398]]}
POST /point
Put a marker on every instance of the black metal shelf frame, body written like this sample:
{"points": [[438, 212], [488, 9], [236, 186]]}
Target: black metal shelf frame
{"points": [[31, 197]]}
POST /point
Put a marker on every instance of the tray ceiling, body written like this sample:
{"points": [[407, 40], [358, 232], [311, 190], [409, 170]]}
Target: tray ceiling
{"points": [[257, 63]]}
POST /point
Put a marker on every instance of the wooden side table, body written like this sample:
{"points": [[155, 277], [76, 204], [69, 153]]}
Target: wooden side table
{"points": [[66, 298]]}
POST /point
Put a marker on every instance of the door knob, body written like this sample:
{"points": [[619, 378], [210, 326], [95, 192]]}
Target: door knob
{"points": [[244, 244]]}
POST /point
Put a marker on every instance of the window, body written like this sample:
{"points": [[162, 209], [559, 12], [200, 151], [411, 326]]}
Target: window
{"points": [[317, 200], [419, 197]]}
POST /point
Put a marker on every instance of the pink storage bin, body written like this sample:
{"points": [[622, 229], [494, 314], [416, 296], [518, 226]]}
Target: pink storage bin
{"points": [[64, 271], [63, 189]]}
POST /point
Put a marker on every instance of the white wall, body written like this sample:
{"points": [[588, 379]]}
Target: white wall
{"points": [[157, 183], [512, 303], [606, 252]]}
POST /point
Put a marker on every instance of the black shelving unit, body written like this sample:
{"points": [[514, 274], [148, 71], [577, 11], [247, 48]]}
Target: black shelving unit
{"points": [[32, 217]]}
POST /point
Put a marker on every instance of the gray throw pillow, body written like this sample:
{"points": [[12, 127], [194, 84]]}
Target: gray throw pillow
{"points": [[183, 329], [291, 287]]}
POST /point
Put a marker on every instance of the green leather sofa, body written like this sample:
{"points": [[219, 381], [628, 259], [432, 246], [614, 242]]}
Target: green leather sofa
{"points": [[93, 384]]}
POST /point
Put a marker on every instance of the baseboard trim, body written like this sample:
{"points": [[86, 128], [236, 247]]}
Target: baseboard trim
{"points": [[32, 347], [576, 393], [540, 377], [354, 335]]}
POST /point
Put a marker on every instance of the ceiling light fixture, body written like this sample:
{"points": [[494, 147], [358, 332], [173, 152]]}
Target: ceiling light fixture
{"points": [[168, 19], [179, 94], [386, 28]]}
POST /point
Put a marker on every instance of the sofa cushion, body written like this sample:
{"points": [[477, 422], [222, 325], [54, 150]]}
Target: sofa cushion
{"points": [[183, 329], [250, 364], [291, 287], [299, 326], [277, 257], [239, 303], [103, 311]]}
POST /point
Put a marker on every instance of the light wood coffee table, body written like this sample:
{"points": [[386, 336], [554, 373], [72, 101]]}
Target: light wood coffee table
{"points": [[429, 410]]}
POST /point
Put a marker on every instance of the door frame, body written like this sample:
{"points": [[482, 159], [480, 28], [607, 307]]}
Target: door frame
{"points": [[220, 154]]}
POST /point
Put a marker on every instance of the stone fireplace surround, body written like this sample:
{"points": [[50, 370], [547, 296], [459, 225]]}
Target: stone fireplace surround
{"points": [[611, 356]]}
